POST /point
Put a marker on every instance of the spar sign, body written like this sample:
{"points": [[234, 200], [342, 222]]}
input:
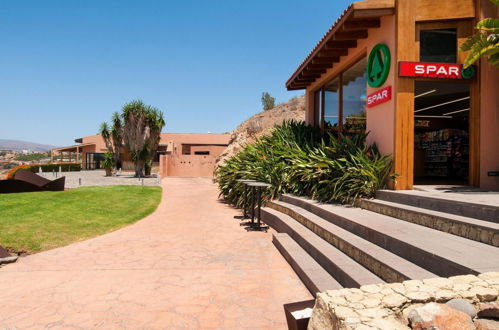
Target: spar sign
{"points": [[378, 97], [435, 70]]}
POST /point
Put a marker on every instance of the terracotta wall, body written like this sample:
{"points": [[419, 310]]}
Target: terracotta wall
{"points": [[381, 118], [213, 150], [489, 113], [187, 165]]}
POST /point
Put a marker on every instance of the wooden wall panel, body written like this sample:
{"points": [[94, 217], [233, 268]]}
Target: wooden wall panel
{"points": [[432, 10], [404, 96]]}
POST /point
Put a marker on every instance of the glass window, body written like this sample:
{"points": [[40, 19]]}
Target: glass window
{"points": [[318, 108], [331, 104], [354, 97], [438, 45]]}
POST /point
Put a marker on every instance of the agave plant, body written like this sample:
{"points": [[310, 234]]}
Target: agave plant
{"points": [[297, 158], [485, 43]]}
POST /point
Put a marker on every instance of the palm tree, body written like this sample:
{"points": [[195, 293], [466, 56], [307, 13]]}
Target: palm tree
{"points": [[135, 133], [485, 43], [113, 137], [117, 137], [138, 129], [156, 123]]}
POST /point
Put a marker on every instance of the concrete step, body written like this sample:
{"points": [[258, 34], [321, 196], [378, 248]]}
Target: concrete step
{"points": [[386, 265], [478, 230], [441, 253], [457, 207], [348, 272], [315, 278]]}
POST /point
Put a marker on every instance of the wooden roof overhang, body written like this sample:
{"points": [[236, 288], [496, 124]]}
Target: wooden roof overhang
{"points": [[74, 148], [351, 26]]}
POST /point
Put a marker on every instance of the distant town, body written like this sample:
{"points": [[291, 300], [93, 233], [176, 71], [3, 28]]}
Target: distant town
{"points": [[10, 159]]}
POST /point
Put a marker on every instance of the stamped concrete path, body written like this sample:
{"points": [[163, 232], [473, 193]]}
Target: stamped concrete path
{"points": [[187, 266]]}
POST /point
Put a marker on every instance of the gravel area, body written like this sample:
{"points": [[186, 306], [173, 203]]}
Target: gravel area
{"points": [[98, 178]]}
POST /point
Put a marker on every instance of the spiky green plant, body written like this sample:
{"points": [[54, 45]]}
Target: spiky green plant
{"points": [[297, 158], [485, 43]]}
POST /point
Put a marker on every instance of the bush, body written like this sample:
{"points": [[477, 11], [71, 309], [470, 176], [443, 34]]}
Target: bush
{"points": [[298, 159], [35, 168]]}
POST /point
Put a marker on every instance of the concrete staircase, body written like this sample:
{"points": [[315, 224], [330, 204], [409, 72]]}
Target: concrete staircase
{"points": [[396, 237]]}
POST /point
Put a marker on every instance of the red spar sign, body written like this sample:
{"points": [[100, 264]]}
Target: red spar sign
{"points": [[435, 70], [380, 96]]}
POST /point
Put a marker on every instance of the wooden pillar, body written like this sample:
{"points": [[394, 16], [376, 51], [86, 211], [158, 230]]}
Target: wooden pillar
{"points": [[404, 95]]}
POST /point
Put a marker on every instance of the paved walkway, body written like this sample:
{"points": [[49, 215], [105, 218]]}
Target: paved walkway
{"points": [[189, 265]]}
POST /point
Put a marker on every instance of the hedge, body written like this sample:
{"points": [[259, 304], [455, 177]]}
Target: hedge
{"points": [[35, 168]]}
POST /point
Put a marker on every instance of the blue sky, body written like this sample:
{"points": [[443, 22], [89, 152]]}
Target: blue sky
{"points": [[67, 65]]}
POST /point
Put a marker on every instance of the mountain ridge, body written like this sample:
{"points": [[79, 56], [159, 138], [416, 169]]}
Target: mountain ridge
{"points": [[18, 145]]}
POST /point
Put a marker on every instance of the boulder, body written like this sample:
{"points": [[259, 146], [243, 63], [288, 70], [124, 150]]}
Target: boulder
{"points": [[489, 310], [486, 324], [439, 316], [462, 305]]}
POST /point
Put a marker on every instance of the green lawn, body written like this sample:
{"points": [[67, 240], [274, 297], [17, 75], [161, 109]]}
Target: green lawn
{"points": [[45, 220]]}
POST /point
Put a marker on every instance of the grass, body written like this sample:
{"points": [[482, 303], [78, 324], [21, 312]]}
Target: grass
{"points": [[40, 221]]}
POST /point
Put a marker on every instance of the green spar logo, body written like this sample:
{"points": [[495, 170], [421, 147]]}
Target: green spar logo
{"points": [[378, 65]]}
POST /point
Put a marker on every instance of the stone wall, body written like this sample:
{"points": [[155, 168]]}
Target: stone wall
{"points": [[396, 305]]}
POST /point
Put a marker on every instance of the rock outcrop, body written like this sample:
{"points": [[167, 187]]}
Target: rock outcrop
{"points": [[261, 124]]}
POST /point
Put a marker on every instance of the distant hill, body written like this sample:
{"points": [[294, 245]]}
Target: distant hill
{"points": [[16, 145]]}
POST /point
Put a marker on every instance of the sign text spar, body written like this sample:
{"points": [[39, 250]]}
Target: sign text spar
{"points": [[380, 96], [435, 70]]}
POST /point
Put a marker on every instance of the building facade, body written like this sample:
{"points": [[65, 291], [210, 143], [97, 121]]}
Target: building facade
{"points": [[394, 69], [178, 154]]}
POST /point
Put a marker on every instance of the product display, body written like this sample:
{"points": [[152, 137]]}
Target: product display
{"points": [[446, 152]]}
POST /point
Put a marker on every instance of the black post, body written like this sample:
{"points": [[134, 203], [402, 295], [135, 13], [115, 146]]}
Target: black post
{"points": [[259, 206], [252, 206], [245, 202]]}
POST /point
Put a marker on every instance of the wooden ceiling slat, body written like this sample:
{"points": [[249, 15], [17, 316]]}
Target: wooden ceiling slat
{"points": [[351, 35], [326, 60], [373, 13], [340, 44], [332, 53], [353, 25]]}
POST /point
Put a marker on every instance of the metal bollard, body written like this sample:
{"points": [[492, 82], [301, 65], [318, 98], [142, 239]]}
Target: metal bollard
{"points": [[142, 182], [79, 181]]}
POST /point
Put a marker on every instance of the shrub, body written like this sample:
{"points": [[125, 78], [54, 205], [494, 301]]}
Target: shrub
{"points": [[298, 159], [35, 168]]}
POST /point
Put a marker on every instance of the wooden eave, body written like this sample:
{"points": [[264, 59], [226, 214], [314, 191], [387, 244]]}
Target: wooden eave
{"points": [[350, 27], [73, 148]]}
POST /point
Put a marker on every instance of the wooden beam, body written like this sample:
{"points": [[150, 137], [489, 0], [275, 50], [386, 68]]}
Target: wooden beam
{"points": [[326, 60], [351, 35], [374, 4], [353, 25], [332, 53], [304, 76], [373, 13], [403, 157], [314, 71], [340, 44]]}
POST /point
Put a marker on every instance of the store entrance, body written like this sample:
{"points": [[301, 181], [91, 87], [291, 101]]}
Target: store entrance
{"points": [[441, 132]]}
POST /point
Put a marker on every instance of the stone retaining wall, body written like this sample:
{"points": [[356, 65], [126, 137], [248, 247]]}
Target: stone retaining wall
{"points": [[387, 306]]}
